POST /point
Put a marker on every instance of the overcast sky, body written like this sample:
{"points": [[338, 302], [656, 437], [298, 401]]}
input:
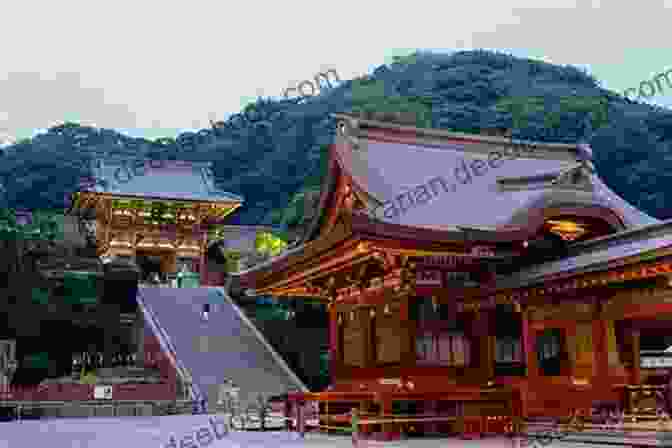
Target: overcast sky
{"points": [[152, 68]]}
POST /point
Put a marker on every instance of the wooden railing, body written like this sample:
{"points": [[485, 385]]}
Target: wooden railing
{"points": [[84, 392]]}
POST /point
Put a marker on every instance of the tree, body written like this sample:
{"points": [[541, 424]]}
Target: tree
{"points": [[267, 243], [371, 96], [525, 109], [232, 258]]}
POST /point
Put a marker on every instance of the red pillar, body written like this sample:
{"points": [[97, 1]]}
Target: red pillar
{"points": [[300, 419], [481, 331], [636, 369], [288, 414], [601, 357], [529, 348], [389, 430]]}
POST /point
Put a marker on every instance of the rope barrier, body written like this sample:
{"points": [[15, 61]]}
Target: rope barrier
{"points": [[562, 428], [338, 428], [398, 420]]}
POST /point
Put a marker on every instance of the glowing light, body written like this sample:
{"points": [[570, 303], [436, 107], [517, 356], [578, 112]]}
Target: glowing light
{"points": [[567, 230]]}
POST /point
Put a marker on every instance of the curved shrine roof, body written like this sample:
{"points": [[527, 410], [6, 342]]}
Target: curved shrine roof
{"points": [[450, 184], [444, 180], [169, 179]]}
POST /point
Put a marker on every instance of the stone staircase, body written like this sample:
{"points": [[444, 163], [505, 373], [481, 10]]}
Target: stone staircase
{"points": [[225, 347]]}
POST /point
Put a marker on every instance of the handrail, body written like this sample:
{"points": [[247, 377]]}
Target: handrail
{"points": [[260, 337], [165, 341]]}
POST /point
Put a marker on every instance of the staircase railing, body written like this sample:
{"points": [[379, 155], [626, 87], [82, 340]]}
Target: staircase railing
{"points": [[260, 337], [171, 353]]}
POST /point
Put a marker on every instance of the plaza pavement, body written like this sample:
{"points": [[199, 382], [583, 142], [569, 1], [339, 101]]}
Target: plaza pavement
{"points": [[155, 432]]}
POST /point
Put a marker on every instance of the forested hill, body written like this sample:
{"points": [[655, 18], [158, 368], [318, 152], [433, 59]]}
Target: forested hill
{"points": [[270, 160]]}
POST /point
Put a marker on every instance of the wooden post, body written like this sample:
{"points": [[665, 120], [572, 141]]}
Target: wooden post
{"points": [[365, 325], [433, 407], [529, 348], [300, 419], [288, 414], [386, 410], [600, 344], [460, 426], [363, 411], [636, 362], [570, 341], [407, 339], [485, 345]]}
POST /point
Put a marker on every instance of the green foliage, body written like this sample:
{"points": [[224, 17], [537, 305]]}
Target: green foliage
{"points": [[80, 288], [36, 360], [46, 225], [522, 109], [598, 107], [459, 89], [232, 258], [7, 219], [371, 96], [406, 60], [294, 213], [324, 364], [275, 216], [40, 296], [267, 243], [315, 180], [157, 211], [88, 378]]}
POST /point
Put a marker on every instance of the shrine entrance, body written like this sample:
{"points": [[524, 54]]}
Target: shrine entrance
{"points": [[155, 262]]}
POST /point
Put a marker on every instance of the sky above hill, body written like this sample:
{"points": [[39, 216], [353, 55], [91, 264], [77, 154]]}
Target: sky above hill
{"points": [[155, 69]]}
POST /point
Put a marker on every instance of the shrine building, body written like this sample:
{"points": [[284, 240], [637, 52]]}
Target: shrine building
{"points": [[469, 279], [162, 215]]}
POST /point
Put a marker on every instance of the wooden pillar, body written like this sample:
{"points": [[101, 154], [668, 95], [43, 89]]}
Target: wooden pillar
{"points": [[431, 408], [365, 324], [570, 342], [300, 419], [334, 349], [600, 344], [407, 333], [486, 357], [363, 413], [529, 346], [288, 414], [386, 411], [530, 356], [636, 362]]}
